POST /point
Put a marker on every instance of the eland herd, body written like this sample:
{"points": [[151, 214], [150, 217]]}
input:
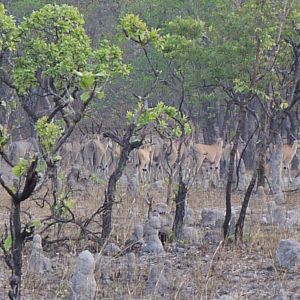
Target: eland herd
{"points": [[156, 158]]}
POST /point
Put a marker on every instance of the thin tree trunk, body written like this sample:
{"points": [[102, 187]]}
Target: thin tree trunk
{"points": [[241, 120], [241, 220], [17, 245], [261, 172], [180, 206], [110, 193]]}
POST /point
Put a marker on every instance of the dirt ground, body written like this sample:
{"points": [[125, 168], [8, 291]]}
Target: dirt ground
{"points": [[194, 271]]}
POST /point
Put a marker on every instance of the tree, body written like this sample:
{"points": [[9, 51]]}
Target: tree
{"points": [[48, 61], [162, 117]]}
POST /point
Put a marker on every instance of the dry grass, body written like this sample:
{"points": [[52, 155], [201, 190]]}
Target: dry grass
{"points": [[200, 271]]}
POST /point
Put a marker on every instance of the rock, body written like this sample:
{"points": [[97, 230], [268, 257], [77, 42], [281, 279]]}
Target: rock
{"points": [[283, 219], [261, 195], [136, 241], [159, 185], [293, 217], [288, 255], [83, 283], [276, 215], [161, 208], [105, 265], [137, 233], [226, 297], [153, 243], [243, 178], [189, 232], [166, 220], [73, 177], [213, 236], [157, 281], [131, 267], [38, 262], [279, 197], [189, 218], [111, 249], [282, 295], [212, 217], [132, 187]]}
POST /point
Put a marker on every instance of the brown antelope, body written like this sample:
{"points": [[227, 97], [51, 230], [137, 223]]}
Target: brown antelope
{"points": [[113, 155], [211, 153], [288, 153], [144, 154], [157, 158], [94, 155], [22, 149], [70, 152], [171, 151]]}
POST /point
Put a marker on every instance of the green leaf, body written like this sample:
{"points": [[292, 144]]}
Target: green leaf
{"points": [[100, 94], [284, 105], [85, 96], [87, 80], [36, 222], [57, 158], [8, 243], [20, 169]]}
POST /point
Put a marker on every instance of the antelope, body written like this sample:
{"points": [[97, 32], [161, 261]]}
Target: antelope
{"points": [[94, 154], [211, 153], [157, 158], [70, 152], [22, 149], [144, 154], [288, 153], [114, 154]]}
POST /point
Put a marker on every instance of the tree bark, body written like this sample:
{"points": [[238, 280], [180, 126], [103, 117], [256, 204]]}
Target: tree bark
{"points": [[276, 159], [17, 245], [241, 220], [180, 206], [110, 193], [241, 120]]}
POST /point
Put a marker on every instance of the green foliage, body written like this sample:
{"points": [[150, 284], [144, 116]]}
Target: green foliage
{"points": [[48, 132], [21, 168], [3, 136], [163, 116], [53, 41], [189, 28], [284, 105], [7, 244], [62, 208], [137, 30], [8, 31], [108, 61]]}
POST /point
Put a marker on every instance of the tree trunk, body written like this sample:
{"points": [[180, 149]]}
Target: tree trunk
{"points": [[209, 132], [276, 159], [241, 220], [110, 193], [261, 172], [241, 120], [180, 206], [17, 245]]}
